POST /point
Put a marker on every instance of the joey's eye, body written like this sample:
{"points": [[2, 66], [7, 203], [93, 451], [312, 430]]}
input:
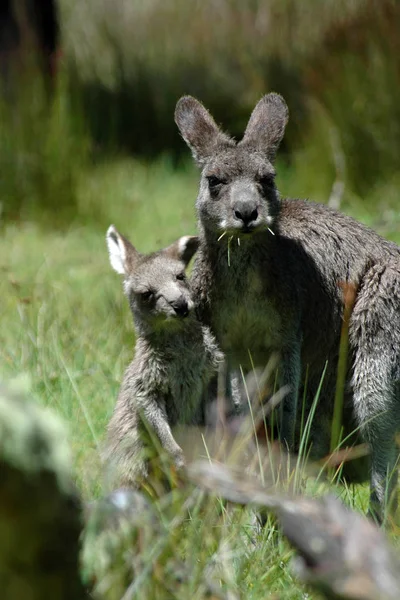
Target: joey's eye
{"points": [[146, 295], [214, 181], [181, 277]]}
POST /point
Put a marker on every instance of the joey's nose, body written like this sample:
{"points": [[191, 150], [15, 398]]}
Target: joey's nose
{"points": [[245, 213], [181, 307]]}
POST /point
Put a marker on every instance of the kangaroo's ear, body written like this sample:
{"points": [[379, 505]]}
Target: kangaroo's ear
{"points": [[184, 248], [123, 255], [198, 128], [266, 125]]}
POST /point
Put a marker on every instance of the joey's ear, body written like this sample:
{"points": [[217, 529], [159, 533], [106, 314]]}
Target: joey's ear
{"points": [[198, 128], [184, 248], [266, 125], [123, 255]]}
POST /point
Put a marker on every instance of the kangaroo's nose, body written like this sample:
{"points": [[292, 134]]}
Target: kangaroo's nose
{"points": [[181, 307], [245, 213]]}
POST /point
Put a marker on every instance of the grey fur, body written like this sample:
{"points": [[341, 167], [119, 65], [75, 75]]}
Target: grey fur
{"points": [[268, 275], [375, 337], [174, 355]]}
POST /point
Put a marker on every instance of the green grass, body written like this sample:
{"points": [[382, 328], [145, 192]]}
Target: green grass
{"points": [[66, 327]]}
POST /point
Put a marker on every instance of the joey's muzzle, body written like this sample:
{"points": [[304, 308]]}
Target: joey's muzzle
{"points": [[181, 307]]}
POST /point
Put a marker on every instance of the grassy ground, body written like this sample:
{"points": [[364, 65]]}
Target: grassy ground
{"points": [[66, 327]]}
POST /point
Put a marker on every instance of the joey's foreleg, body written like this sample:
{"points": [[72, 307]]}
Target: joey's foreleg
{"points": [[154, 414]]}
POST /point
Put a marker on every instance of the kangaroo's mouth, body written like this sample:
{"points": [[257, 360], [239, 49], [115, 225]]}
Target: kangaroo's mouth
{"points": [[251, 229], [180, 316], [170, 322], [247, 229], [237, 230], [177, 316]]}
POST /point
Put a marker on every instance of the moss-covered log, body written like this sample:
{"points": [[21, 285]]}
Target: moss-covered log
{"points": [[40, 512]]}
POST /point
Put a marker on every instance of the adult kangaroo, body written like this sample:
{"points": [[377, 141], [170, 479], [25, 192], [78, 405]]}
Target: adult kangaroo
{"points": [[269, 275]]}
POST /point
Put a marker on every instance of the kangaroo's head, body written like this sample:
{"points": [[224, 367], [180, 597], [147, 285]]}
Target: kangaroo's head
{"points": [[155, 284], [237, 189]]}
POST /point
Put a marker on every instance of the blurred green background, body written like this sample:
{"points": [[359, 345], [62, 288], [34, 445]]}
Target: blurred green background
{"points": [[124, 64]]}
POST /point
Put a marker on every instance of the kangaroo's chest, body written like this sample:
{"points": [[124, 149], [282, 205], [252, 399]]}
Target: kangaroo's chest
{"points": [[247, 322]]}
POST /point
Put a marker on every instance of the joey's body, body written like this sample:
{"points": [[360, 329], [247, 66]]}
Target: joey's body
{"points": [[164, 385], [269, 275], [175, 357]]}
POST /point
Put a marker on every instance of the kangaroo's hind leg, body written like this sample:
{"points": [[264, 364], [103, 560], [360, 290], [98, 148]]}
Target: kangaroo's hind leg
{"points": [[375, 409], [375, 340]]}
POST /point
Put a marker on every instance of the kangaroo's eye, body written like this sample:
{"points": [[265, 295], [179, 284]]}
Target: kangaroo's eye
{"points": [[266, 181], [214, 181], [181, 277], [146, 295]]}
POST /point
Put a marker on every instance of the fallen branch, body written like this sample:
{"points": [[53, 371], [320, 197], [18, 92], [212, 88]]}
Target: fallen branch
{"points": [[342, 553]]}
